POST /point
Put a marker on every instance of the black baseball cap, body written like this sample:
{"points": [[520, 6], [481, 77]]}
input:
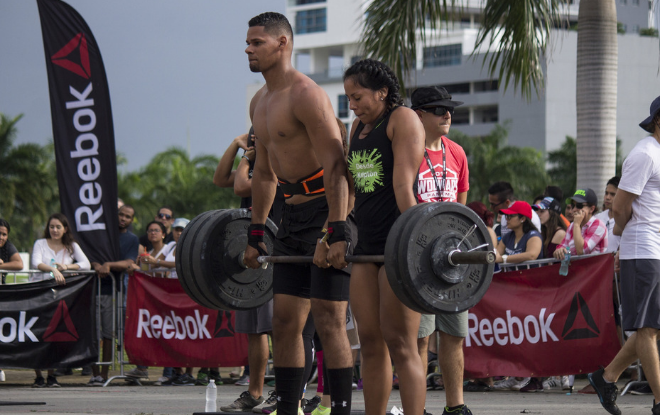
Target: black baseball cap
{"points": [[585, 195], [432, 96]]}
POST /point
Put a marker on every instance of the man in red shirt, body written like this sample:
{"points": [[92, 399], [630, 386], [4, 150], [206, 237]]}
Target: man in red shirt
{"points": [[443, 177]]}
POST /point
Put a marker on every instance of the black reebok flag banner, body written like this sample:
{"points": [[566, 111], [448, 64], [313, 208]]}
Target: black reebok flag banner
{"points": [[82, 130], [44, 325]]}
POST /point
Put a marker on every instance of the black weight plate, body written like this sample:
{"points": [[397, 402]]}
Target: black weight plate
{"points": [[394, 261], [184, 268], [224, 280], [448, 223]]}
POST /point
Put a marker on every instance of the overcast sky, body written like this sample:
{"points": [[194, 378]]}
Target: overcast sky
{"points": [[176, 69]]}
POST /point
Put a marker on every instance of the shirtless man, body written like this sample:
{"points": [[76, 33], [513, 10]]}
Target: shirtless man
{"points": [[299, 145]]}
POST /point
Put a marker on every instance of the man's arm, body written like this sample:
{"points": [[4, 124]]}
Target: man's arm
{"points": [[462, 198], [314, 110], [622, 210], [408, 138], [105, 268], [242, 180], [15, 263], [224, 176]]}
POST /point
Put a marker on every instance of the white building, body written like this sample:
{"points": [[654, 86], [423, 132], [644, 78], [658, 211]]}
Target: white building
{"points": [[326, 34]]}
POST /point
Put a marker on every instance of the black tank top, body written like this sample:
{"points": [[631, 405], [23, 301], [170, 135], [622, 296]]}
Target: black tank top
{"points": [[371, 163]]}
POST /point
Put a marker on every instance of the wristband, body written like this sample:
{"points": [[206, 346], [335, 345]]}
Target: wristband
{"points": [[504, 257], [245, 157], [337, 231], [256, 235]]}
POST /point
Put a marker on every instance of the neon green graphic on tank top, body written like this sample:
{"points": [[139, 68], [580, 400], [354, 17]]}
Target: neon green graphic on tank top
{"points": [[366, 169]]}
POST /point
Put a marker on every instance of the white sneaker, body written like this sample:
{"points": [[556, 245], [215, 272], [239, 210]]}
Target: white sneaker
{"points": [[521, 384], [96, 381], [552, 383], [160, 380], [565, 383], [505, 384], [243, 381], [2, 376], [137, 373]]}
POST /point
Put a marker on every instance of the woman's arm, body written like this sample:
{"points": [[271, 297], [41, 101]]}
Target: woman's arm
{"points": [[82, 263], [407, 135], [15, 263]]}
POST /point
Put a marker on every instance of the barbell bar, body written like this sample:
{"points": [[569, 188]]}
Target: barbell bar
{"points": [[438, 257]]}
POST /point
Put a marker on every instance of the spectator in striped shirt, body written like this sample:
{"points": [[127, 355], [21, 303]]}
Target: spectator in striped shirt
{"points": [[587, 234]]}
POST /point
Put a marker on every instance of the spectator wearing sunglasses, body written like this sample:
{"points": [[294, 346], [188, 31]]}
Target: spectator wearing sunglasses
{"points": [[165, 216], [523, 242], [587, 234], [500, 196]]}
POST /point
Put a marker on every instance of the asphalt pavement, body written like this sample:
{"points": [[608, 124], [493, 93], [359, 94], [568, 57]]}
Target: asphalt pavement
{"points": [[121, 398]]}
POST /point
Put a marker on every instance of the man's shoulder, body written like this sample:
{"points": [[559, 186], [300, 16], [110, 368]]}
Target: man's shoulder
{"points": [[303, 87], [128, 236]]}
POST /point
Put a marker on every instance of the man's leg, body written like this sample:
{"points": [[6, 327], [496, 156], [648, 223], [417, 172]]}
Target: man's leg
{"points": [[626, 356], [289, 317], [647, 350], [451, 362], [330, 321], [258, 360]]}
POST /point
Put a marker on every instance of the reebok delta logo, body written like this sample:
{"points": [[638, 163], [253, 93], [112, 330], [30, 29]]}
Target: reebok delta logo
{"points": [[588, 332], [223, 326], [61, 328], [77, 63]]}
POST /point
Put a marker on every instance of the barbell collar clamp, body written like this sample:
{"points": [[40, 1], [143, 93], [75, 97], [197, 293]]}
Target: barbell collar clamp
{"points": [[456, 257]]}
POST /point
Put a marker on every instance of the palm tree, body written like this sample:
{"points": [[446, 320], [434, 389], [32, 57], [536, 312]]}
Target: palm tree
{"points": [[490, 159], [29, 187], [173, 178], [514, 35]]}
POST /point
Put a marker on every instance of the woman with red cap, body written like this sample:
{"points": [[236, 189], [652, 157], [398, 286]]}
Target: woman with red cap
{"points": [[525, 243]]}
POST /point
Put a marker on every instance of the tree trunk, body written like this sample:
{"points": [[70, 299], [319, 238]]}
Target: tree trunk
{"points": [[596, 94]]}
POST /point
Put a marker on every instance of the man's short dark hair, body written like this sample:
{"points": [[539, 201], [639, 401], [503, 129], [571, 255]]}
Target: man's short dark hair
{"points": [[614, 181], [165, 207], [274, 23], [554, 192], [126, 206], [502, 190]]}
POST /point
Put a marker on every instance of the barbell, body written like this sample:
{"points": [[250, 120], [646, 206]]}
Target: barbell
{"points": [[438, 258]]}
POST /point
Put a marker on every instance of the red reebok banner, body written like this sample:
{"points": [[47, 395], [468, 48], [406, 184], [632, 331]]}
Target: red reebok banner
{"points": [[536, 322], [164, 327], [82, 130], [45, 325]]}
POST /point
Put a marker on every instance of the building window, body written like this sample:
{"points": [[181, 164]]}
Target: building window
{"points": [[443, 55], [636, 2], [487, 114], [462, 88], [461, 116], [356, 58], [342, 106], [485, 86], [311, 21], [301, 2]]}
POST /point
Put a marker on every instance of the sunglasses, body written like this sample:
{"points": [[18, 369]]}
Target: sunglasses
{"points": [[164, 216], [495, 204], [577, 205], [440, 111], [154, 231], [509, 217]]}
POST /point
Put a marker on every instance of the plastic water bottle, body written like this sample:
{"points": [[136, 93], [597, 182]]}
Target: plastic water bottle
{"points": [[211, 396], [52, 264], [563, 270]]}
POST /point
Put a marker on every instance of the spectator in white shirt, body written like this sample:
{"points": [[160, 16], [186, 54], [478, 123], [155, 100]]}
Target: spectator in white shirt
{"points": [[607, 215]]}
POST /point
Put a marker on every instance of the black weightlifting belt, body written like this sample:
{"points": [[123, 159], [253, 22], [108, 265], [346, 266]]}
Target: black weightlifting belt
{"points": [[311, 185]]}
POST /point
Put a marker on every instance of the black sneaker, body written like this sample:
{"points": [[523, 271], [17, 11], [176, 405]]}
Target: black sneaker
{"points": [[244, 403], [215, 376], [607, 392], [52, 382], [170, 382], [270, 402], [39, 382], [184, 380], [655, 409], [641, 390], [311, 404], [463, 410]]}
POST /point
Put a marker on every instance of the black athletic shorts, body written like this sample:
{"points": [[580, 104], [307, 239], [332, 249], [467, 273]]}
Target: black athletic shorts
{"points": [[297, 235]]}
